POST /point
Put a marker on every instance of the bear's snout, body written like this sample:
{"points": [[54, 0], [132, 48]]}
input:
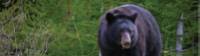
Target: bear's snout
{"points": [[125, 40]]}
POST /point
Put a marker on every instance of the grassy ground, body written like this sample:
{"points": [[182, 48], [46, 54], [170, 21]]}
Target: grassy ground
{"points": [[69, 27]]}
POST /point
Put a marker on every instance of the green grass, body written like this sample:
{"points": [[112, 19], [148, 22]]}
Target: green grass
{"points": [[48, 30]]}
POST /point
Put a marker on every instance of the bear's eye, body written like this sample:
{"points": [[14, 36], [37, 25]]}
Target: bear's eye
{"points": [[131, 31]]}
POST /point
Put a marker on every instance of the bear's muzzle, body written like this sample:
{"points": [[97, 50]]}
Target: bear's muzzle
{"points": [[125, 40]]}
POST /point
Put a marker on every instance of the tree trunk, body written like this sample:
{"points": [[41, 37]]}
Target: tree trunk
{"points": [[179, 37]]}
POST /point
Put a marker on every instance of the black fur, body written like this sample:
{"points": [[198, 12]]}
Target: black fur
{"points": [[145, 33]]}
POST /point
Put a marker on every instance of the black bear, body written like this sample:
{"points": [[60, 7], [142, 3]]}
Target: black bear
{"points": [[129, 30]]}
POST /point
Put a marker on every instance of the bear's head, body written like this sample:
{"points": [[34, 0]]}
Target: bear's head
{"points": [[122, 30]]}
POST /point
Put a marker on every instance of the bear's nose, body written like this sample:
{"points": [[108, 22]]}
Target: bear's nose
{"points": [[125, 40], [126, 45]]}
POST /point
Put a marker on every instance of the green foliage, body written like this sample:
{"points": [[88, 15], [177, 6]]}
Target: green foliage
{"points": [[45, 28]]}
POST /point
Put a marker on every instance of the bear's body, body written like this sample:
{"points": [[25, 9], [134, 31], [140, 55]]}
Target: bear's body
{"points": [[118, 24]]}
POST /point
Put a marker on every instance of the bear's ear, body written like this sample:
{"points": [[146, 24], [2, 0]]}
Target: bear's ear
{"points": [[133, 17], [110, 18]]}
